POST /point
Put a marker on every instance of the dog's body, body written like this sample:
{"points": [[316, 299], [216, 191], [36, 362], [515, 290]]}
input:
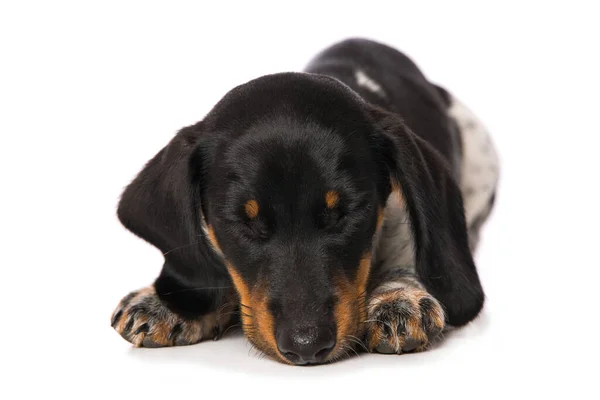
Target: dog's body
{"points": [[385, 257]]}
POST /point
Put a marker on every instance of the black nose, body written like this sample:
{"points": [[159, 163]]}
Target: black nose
{"points": [[306, 345]]}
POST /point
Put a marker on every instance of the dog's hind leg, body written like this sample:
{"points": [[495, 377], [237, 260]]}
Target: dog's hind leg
{"points": [[480, 169]]}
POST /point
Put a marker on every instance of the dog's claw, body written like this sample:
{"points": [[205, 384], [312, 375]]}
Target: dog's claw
{"points": [[116, 318], [411, 344], [216, 333], [128, 327], [144, 328], [385, 348], [174, 333]]}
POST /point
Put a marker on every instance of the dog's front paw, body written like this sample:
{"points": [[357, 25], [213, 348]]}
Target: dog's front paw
{"points": [[403, 320], [143, 320]]}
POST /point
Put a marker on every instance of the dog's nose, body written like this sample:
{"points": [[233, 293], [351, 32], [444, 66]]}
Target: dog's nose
{"points": [[306, 345]]}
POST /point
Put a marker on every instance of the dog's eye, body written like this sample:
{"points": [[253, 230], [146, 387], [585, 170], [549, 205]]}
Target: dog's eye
{"points": [[331, 218], [256, 230]]}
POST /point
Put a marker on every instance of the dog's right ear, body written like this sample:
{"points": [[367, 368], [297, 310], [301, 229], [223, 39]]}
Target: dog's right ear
{"points": [[444, 262], [163, 205]]}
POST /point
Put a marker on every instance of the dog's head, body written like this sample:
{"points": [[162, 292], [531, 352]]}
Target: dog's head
{"points": [[281, 188]]}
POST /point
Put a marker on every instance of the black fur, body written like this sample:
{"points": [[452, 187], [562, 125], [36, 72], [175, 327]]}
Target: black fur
{"points": [[161, 206], [285, 140]]}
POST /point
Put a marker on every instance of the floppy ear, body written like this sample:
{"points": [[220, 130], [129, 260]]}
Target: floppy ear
{"points": [[163, 206], [444, 262]]}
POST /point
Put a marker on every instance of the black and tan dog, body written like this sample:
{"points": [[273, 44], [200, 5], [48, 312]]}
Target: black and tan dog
{"points": [[320, 210]]}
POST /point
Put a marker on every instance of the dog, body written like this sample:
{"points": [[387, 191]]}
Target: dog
{"points": [[322, 211]]}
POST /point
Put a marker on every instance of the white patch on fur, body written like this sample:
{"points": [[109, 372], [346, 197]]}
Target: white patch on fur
{"points": [[367, 82], [480, 167], [205, 230], [394, 248]]}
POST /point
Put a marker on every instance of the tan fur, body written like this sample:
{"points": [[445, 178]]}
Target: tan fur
{"points": [[349, 312], [332, 199], [379, 218], [122, 322], [240, 285], [345, 313], [257, 321], [251, 208], [362, 275], [139, 338], [265, 324], [160, 333], [213, 239], [397, 191]]}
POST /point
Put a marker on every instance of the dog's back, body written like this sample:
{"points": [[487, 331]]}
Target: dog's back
{"points": [[389, 79]]}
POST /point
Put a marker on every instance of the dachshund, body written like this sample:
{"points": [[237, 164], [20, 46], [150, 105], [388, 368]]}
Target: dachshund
{"points": [[322, 211]]}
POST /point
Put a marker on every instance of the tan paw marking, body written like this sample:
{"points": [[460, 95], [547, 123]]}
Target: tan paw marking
{"points": [[403, 320], [143, 320]]}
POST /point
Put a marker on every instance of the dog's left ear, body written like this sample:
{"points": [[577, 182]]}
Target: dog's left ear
{"points": [[444, 262], [163, 206]]}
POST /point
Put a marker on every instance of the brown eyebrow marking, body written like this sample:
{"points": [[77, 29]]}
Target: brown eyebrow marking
{"points": [[331, 199], [251, 208]]}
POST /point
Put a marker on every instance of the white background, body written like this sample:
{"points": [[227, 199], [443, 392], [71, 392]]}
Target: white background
{"points": [[89, 92]]}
